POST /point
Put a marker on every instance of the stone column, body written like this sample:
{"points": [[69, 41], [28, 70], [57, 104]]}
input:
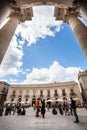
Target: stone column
{"points": [[4, 10], [6, 34], [83, 10], [80, 31]]}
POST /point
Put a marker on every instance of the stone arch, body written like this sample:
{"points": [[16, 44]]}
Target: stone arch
{"points": [[33, 101]]}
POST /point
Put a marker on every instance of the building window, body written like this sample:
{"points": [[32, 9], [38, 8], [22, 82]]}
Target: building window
{"points": [[20, 92], [48, 93], [55, 93], [27, 92], [4, 90], [41, 93], [72, 92], [19, 100], [34, 93], [13, 93], [26, 99], [12, 100], [63, 92]]}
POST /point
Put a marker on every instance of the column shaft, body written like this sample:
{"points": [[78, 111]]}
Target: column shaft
{"points": [[83, 10], [80, 31], [4, 10], [6, 34]]}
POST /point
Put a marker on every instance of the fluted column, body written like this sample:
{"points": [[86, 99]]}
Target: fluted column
{"points": [[80, 31], [4, 10], [6, 34], [83, 10]]}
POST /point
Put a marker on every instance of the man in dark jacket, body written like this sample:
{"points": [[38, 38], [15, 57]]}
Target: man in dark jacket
{"points": [[43, 108], [73, 105]]}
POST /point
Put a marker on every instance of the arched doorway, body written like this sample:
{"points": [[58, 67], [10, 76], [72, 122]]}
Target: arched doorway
{"points": [[33, 101]]}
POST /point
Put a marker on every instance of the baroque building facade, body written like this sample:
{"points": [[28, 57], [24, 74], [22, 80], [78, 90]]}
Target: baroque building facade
{"points": [[22, 93], [82, 77], [4, 87]]}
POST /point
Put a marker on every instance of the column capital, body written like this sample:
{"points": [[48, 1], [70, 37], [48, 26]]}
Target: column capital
{"points": [[16, 13], [79, 30], [22, 14], [71, 12], [79, 2], [59, 13], [26, 13]]}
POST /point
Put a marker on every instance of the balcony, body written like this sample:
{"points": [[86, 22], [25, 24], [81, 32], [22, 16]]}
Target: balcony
{"points": [[20, 96], [48, 96], [56, 95], [64, 94], [41, 96], [27, 96], [72, 94], [34, 96], [13, 96]]}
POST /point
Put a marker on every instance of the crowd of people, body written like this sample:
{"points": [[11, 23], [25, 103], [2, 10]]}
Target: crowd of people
{"points": [[64, 108], [10, 109], [40, 107]]}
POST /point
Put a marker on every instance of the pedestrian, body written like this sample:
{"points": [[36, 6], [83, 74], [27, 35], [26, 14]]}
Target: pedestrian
{"points": [[60, 107], [43, 110], [14, 109], [37, 107], [23, 111], [66, 108], [48, 106], [73, 105], [71, 111], [1, 110], [19, 110], [34, 107], [54, 111]]}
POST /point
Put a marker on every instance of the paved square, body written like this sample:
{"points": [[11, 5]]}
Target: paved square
{"points": [[50, 122]]}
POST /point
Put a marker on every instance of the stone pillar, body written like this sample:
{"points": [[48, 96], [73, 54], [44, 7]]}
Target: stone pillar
{"points": [[6, 34], [80, 31], [83, 10], [4, 10]]}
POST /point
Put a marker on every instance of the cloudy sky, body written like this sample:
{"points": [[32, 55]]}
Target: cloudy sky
{"points": [[43, 51]]}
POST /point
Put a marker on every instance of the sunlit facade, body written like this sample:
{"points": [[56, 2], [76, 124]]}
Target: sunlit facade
{"points": [[22, 93]]}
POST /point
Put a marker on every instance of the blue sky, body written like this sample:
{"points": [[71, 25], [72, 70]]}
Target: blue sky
{"points": [[43, 51]]}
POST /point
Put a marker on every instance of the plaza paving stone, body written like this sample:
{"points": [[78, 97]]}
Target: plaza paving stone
{"points": [[50, 122]]}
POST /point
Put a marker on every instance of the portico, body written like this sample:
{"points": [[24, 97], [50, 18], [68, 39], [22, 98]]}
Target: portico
{"points": [[21, 10]]}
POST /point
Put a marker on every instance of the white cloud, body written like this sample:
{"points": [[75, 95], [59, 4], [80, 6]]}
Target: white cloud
{"points": [[40, 26], [12, 61], [55, 72]]}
